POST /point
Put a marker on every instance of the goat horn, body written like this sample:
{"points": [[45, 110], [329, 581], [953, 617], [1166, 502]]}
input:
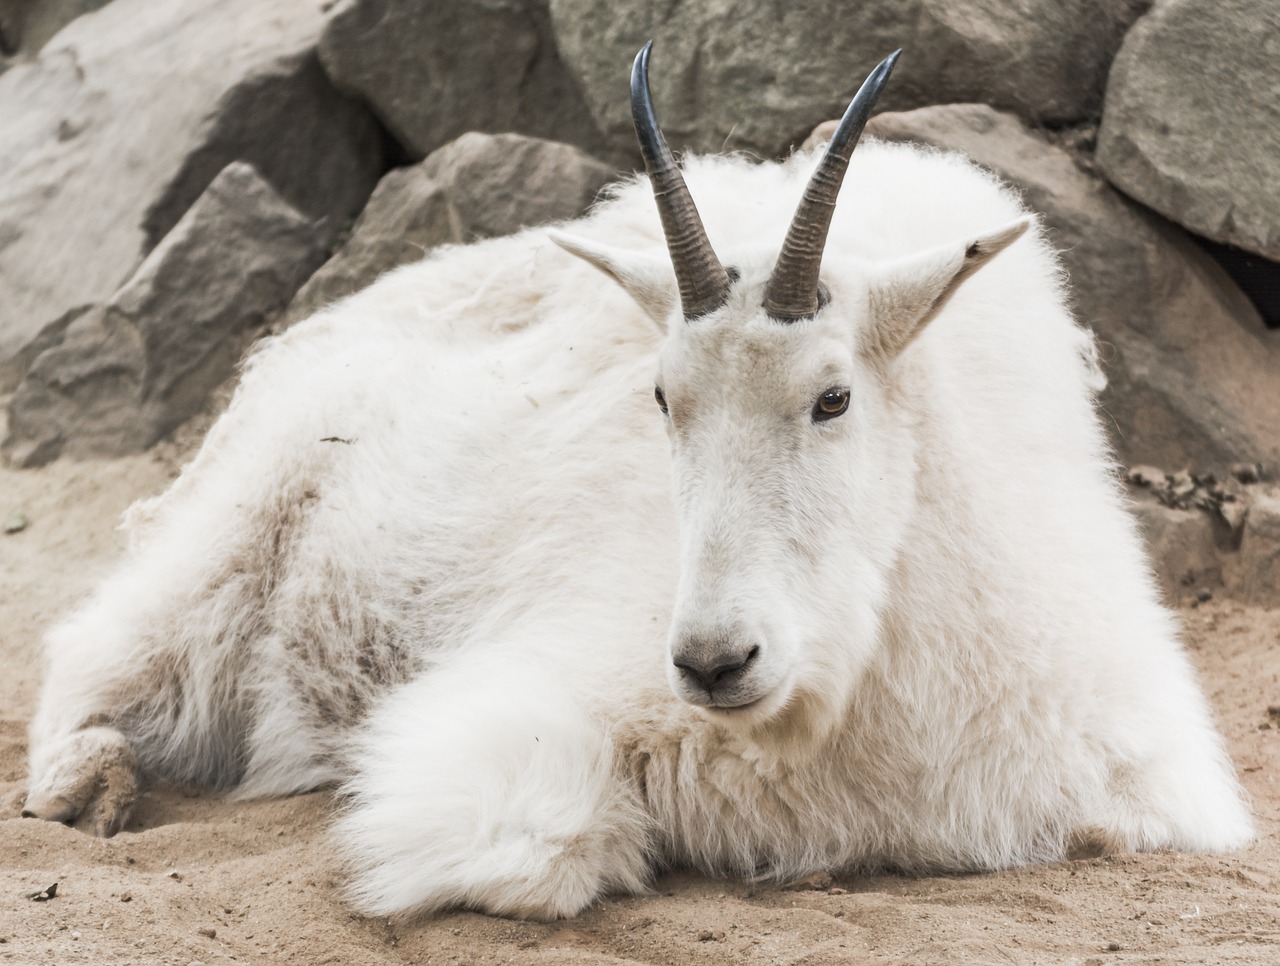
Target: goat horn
{"points": [[703, 281], [792, 292]]}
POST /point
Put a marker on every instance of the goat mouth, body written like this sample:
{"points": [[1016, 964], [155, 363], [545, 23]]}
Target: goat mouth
{"points": [[750, 705], [710, 701], [735, 708], [727, 705]]}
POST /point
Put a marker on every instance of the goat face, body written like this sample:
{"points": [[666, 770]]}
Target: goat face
{"points": [[792, 482], [793, 467], [783, 492]]}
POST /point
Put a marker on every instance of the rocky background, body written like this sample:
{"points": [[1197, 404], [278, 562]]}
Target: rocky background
{"points": [[179, 176]]}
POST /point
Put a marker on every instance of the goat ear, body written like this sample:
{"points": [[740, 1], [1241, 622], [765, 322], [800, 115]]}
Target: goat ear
{"points": [[649, 280], [907, 294]]}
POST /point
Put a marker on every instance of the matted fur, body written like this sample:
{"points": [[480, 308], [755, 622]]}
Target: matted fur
{"points": [[438, 549]]}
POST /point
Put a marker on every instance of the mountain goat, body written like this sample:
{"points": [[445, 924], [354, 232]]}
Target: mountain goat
{"points": [[859, 591]]}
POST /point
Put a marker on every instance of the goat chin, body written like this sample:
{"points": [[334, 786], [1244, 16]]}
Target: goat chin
{"points": [[462, 614]]}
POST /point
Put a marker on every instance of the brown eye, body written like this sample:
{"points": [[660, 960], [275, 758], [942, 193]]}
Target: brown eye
{"points": [[831, 404], [662, 399]]}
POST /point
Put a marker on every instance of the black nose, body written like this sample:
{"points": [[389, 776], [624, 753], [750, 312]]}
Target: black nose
{"points": [[717, 670]]}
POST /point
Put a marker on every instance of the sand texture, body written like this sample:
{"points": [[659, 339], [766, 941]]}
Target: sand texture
{"points": [[197, 879]]}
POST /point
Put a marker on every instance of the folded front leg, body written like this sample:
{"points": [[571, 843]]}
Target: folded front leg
{"points": [[492, 789]]}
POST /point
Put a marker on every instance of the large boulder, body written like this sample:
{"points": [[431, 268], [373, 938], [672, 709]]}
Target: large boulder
{"points": [[502, 183], [120, 376], [755, 75], [408, 214], [125, 117], [1192, 371], [27, 25], [1191, 125], [433, 71], [479, 186]]}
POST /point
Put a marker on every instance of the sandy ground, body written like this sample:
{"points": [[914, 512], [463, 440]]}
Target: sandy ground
{"points": [[195, 879]]}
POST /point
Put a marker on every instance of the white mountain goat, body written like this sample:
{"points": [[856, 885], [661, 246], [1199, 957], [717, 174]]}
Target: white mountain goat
{"points": [[860, 591]]}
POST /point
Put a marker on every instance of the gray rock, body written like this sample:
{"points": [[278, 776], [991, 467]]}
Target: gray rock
{"points": [[320, 149], [1191, 369], [126, 373], [504, 182], [433, 71], [1191, 125], [48, 337], [756, 74], [27, 25], [1186, 547], [479, 186], [1259, 566], [127, 114], [407, 215]]}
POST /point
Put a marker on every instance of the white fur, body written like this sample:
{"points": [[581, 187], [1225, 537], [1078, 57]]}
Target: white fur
{"points": [[466, 606]]}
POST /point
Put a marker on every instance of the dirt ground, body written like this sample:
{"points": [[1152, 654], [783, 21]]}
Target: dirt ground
{"points": [[195, 879]]}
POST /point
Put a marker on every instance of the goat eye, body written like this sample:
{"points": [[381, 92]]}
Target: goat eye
{"points": [[662, 399], [831, 404]]}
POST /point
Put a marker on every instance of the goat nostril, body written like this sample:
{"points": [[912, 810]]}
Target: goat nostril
{"points": [[735, 665], [709, 675]]}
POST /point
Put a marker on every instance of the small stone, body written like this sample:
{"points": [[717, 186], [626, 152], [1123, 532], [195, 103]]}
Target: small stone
{"points": [[1273, 710], [1247, 472], [710, 935], [1113, 947], [75, 934], [126, 898], [1146, 475], [817, 882], [1234, 512], [1181, 486], [16, 522], [1204, 595], [208, 932]]}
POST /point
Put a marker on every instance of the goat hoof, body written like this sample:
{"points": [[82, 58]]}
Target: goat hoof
{"points": [[91, 782]]}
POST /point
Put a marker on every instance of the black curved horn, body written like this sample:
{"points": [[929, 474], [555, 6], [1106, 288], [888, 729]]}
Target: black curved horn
{"points": [[792, 292], [703, 281]]}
